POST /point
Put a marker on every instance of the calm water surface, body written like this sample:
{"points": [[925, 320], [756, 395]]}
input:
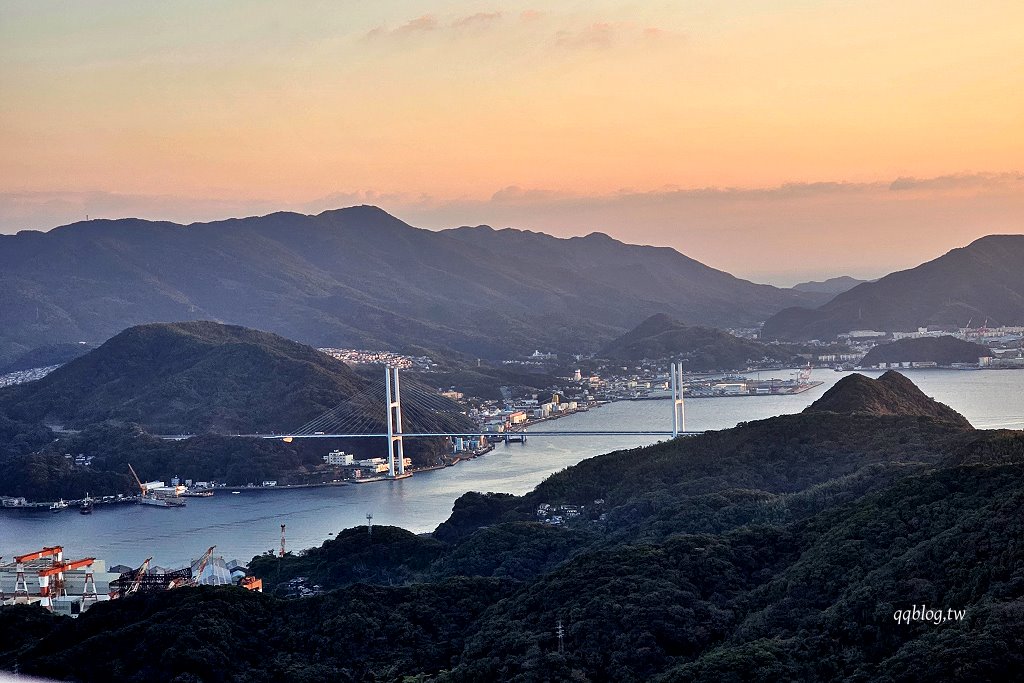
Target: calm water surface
{"points": [[248, 524]]}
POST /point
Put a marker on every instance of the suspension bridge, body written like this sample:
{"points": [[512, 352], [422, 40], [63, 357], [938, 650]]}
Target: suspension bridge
{"points": [[430, 414], [433, 415]]}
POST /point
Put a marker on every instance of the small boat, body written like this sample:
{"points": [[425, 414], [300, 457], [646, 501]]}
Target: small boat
{"points": [[236, 492], [86, 507], [58, 506]]}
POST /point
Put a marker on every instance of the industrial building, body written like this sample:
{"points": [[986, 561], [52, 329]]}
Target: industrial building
{"points": [[45, 578]]}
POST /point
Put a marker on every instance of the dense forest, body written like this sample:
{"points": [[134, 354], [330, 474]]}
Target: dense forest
{"points": [[782, 549]]}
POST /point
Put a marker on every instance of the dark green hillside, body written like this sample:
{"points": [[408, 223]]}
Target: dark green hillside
{"points": [[701, 348], [890, 394], [175, 378], [778, 550], [942, 350]]}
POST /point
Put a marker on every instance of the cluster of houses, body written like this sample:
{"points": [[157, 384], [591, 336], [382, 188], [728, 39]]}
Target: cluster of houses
{"points": [[359, 469], [394, 360], [515, 415], [556, 515], [80, 460]]}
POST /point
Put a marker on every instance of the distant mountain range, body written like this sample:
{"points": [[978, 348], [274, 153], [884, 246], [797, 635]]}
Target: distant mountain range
{"points": [[983, 281], [701, 348], [832, 286], [359, 277]]}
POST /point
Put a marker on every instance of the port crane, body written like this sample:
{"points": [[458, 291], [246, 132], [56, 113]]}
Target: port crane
{"points": [[138, 481], [139, 573], [57, 589], [194, 579], [20, 584], [52, 551]]}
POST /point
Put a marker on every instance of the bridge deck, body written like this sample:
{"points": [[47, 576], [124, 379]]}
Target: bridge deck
{"points": [[497, 435]]}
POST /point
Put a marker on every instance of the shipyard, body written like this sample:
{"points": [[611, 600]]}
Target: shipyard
{"points": [[69, 587]]}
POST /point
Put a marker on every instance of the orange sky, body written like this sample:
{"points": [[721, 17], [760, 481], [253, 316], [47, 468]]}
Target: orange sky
{"points": [[607, 115]]}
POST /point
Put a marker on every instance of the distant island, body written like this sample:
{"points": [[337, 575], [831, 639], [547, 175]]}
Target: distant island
{"points": [[943, 351]]}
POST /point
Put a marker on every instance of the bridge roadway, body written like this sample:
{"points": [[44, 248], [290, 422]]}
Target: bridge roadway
{"points": [[499, 435]]}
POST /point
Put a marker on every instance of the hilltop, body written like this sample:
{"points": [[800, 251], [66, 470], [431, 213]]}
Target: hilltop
{"points": [[890, 394], [177, 378], [979, 282], [943, 350], [361, 278], [831, 286], [701, 348], [782, 549]]}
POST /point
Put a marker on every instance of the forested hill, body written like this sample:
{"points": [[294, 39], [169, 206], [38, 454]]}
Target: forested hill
{"points": [[979, 282], [361, 278], [944, 350], [890, 394], [701, 348], [176, 378], [783, 549]]}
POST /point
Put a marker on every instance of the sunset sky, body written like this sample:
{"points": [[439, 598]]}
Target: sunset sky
{"points": [[777, 140]]}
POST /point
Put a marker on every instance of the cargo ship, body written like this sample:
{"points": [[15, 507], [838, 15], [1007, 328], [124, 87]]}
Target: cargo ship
{"points": [[165, 502]]}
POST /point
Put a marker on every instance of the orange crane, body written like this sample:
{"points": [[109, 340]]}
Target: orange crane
{"points": [[194, 581], [57, 571], [138, 481], [20, 584], [139, 573], [52, 551], [202, 565]]}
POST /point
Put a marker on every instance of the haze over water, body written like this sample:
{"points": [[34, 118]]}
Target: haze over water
{"points": [[249, 524]]}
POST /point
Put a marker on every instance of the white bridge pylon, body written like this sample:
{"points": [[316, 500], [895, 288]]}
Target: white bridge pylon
{"points": [[394, 399], [678, 407]]}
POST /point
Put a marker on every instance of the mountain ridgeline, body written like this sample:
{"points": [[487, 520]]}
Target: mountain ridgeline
{"points": [[361, 278], [980, 282], [700, 348], [792, 548]]}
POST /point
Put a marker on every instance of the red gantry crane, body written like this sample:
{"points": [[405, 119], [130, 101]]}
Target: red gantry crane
{"points": [[21, 585], [46, 591]]}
